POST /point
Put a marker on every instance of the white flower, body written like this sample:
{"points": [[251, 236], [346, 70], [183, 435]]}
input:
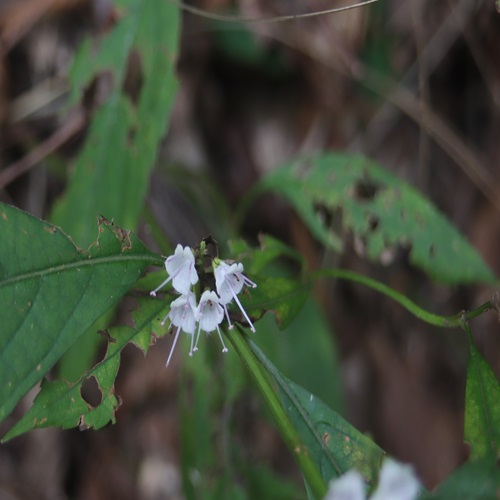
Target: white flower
{"points": [[229, 281], [349, 486], [181, 270], [182, 315], [396, 482], [210, 314]]}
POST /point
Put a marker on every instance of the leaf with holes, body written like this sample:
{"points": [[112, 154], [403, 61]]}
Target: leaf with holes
{"points": [[132, 70], [62, 405], [381, 210], [129, 75], [51, 292]]}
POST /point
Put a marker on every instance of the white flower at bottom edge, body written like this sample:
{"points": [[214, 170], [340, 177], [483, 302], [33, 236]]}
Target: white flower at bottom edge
{"points": [[182, 314], [229, 281], [396, 482], [209, 314], [349, 486], [181, 270]]}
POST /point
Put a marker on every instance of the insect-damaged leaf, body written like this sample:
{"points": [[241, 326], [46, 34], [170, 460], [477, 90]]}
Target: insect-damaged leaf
{"points": [[111, 173], [61, 404], [51, 292], [381, 210]]}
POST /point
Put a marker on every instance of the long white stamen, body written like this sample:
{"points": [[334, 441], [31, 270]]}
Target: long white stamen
{"points": [[231, 326], [220, 336], [249, 282], [197, 338], [242, 310], [192, 342], [173, 345], [153, 293], [171, 277]]}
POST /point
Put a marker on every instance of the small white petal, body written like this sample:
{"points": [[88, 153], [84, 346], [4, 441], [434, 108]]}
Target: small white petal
{"points": [[229, 280], [396, 482], [181, 269], [349, 486], [183, 312], [182, 315], [210, 312]]}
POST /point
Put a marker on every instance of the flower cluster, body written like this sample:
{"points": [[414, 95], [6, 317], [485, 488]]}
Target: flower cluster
{"points": [[212, 306], [396, 482]]}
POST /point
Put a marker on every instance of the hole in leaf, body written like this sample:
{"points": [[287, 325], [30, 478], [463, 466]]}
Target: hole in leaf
{"points": [[90, 392], [373, 222], [98, 90], [432, 250], [365, 190], [134, 78], [325, 214]]}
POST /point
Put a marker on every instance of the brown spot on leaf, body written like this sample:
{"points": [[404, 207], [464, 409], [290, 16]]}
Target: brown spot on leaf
{"points": [[326, 438], [107, 336], [122, 234]]}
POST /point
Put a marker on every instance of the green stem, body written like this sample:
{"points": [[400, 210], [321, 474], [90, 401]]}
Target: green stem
{"points": [[431, 318], [288, 432]]}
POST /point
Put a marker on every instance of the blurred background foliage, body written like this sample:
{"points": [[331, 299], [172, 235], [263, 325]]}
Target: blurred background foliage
{"points": [[412, 84]]}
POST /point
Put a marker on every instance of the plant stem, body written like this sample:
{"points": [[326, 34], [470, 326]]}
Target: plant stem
{"points": [[288, 432], [431, 318]]}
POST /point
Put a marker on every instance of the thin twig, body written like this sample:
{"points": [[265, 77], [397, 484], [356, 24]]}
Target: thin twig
{"points": [[406, 101], [75, 123], [275, 19]]}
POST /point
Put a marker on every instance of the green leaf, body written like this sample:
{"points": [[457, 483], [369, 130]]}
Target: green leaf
{"points": [[271, 249], [51, 292], [112, 171], [482, 407], [61, 404], [334, 444], [260, 369], [132, 72], [476, 480], [378, 208], [283, 297], [308, 333]]}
